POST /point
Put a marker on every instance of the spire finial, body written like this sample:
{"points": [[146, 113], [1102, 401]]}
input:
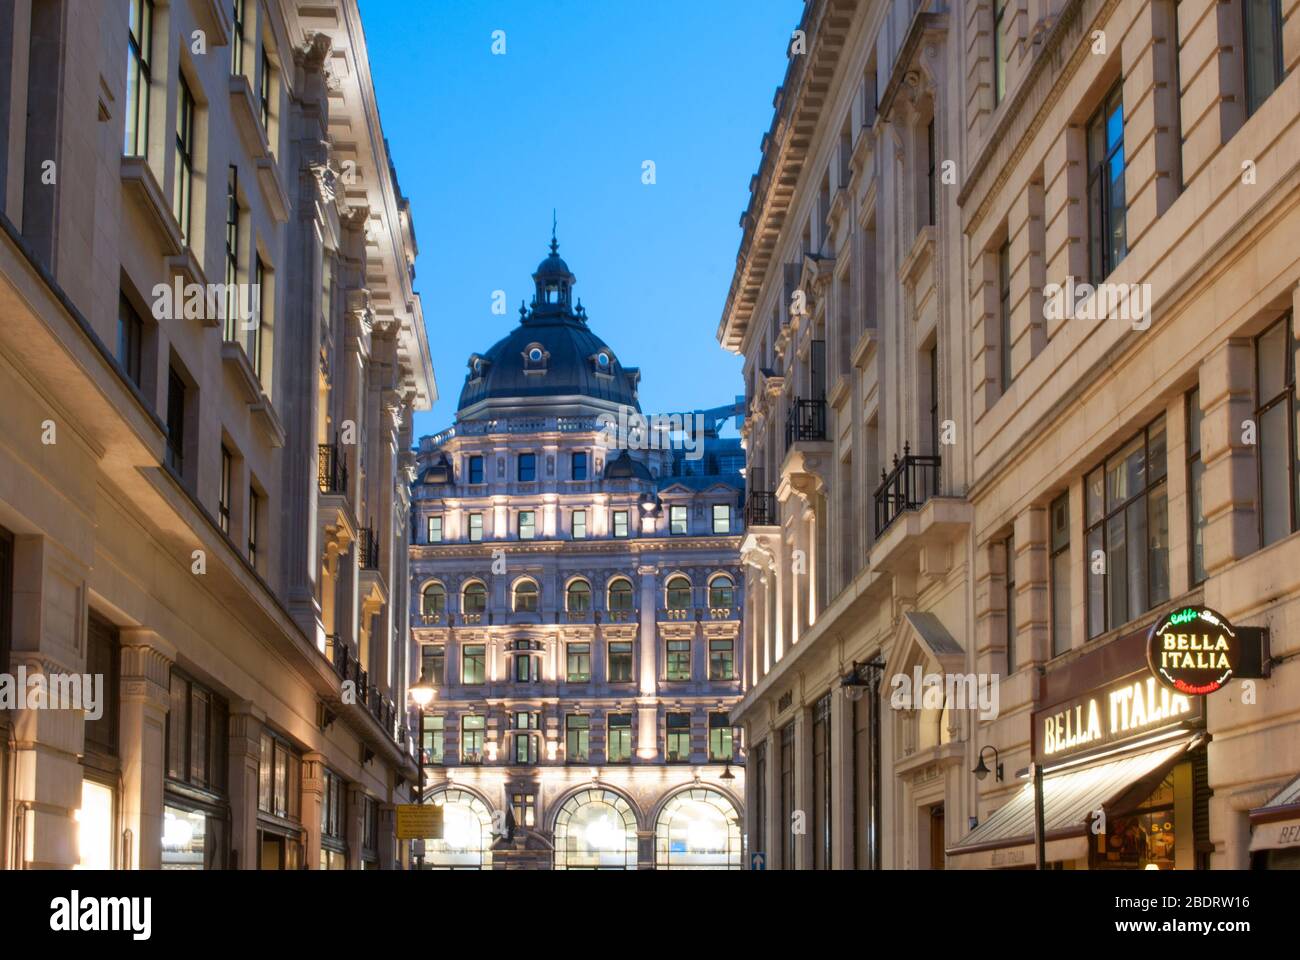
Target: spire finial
{"points": [[555, 245]]}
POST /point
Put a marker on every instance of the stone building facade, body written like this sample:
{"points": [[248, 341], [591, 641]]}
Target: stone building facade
{"points": [[576, 598], [211, 355], [965, 463]]}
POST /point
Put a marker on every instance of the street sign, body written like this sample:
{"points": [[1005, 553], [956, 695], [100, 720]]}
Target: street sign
{"points": [[419, 821], [758, 861]]}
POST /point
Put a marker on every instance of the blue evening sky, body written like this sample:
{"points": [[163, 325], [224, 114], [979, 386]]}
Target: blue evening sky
{"points": [[486, 146]]}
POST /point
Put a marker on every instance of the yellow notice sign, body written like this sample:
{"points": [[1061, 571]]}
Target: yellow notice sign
{"points": [[419, 821]]}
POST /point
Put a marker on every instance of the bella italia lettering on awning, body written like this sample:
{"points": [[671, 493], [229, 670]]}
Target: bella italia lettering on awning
{"points": [[1131, 708]]}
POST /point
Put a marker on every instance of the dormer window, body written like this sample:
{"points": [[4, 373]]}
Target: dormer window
{"points": [[602, 364], [535, 358], [477, 367]]}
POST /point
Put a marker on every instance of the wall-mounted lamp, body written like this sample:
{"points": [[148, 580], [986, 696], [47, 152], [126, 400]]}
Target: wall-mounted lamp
{"points": [[982, 770], [861, 676]]}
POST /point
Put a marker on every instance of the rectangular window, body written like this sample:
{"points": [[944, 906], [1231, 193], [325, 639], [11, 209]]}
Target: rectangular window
{"points": [[1004, 314], [138, 78], [1059, 519], [580, 466], [103, 655], [473, 663], [999, 54], [475, 469], [475, 528], [472, 730], [527, 525], [279, 779], [620, 523], [264, 93], [931, 179], [237, 39], [1275, 414], [679, 737], [1195, 488], [254, 508], [618, 738], [722, 659], [432, 730], [223, 493], [232, 253], [577, 737], [527, 668], [130, 339], [333, 807], [1009, 548], [1263, 48], [720, 738], [175, 422], [578, 662], [183, 189], [524, 807], [677, 520], [527, 468], [433, 658], [435, 529], [1107, 206], [579, 524], [620, 661], [721, 518], [525, 748], [786, 767], [1128, 520], [821, 775], [679, 660], [259, 320]]}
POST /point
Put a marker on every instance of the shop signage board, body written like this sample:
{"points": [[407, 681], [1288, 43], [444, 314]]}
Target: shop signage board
{"points": [[419, 821], [1196, 651]]}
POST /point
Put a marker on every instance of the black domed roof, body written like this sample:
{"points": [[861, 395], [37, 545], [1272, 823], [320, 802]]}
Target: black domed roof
{"points": [[552, 353], [623, 467]]}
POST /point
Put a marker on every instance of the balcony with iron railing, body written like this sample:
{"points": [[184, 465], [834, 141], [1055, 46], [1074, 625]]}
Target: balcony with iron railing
{"points": [[805, 422], [367, 549], [761, 509], [331, 469], [907, 486]]}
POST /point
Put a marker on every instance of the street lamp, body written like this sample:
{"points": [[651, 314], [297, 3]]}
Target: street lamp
{"points": [[982, 771], [421, 693]]}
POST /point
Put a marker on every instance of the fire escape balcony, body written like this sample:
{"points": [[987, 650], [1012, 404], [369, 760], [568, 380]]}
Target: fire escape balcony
{"points": [[761, 509]]}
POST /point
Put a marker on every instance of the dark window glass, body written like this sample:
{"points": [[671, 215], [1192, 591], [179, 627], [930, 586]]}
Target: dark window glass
{"points": [[620, 594], [722, 593], [1195, 487], [175, 421], [1004, 313], [1128, 544], [1059, 519], [527, 467], [722, 659], [999, 53], [1009, 548], [432, 729], [679, 660], [578, 665], [237, 38], [130, 339], [526, 597], [720, 738], [787, 797], [183, 188], [578, 597], [475, 600], [102, 653], [223, 495], [432, 662], [1107, 205], [473, 663], [475, 469], [679, 737], [580, 466], [196, 737], [822, 790], [679, 593], [931, 174], [1276, 414], [254, 511], [138, 78], [1263, 35], [618, 738], [264, 92], [577, 737], [472, 730], [620, 661]]}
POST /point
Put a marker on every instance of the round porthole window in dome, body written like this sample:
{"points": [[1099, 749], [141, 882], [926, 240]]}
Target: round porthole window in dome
{"points": [[535, 355], [602, 359]]}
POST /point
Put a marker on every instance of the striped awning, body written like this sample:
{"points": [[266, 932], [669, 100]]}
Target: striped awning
{"points": [[1070, 797], [1276, 825]]}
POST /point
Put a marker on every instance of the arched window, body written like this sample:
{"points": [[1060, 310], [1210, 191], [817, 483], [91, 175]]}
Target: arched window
{"points": [[466, 842], [578, 597], [475, 598], [722, 592], [698, 829], [620, 594], [595, 830], [525, 597], [679, 593], [433, 601]]}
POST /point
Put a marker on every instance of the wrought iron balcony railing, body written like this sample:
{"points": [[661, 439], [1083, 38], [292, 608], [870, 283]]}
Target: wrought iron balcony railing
{"points": [[368, 549], [912, 481], [331, 469], [806, 421], [760, 509]]}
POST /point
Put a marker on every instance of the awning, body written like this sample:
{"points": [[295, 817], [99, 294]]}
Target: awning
{"points": [[1276, 825], [1006, 838]]}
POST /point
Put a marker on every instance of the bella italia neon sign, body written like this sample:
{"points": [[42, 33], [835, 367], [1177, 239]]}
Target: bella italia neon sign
{"points": [[1194, 650], [1116, 713]]}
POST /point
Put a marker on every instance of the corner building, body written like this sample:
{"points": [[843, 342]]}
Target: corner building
{"points": [[956, 468], [577, 609], [187, 493]]}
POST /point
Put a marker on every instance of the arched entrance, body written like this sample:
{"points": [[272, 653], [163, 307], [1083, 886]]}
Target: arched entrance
{"points": [[466, 842], [698, 829], [595, 830]]}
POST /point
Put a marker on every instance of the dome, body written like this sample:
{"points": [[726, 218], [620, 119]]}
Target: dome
{"points": [[551, 353], [623, 467]]}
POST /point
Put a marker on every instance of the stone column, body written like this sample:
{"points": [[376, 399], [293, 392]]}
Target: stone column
{"points": [[1228, 494], [244, 748], [146, 661], [313, 802], [354, 830], [647, 746], [387, 839]]}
